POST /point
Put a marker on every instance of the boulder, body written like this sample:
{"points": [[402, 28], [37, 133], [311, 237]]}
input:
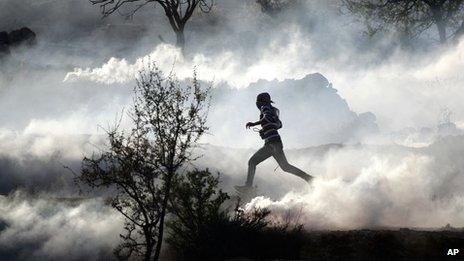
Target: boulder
{"points": [[4, 45], [3, 38], [22, 36]]}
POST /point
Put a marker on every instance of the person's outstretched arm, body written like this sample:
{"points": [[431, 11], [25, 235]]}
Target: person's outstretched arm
{"points": [[266, 114], [251, 124]]}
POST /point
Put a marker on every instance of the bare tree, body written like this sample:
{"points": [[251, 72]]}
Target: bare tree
{"points": [[177, 11], [141, 165], [411, 17]]}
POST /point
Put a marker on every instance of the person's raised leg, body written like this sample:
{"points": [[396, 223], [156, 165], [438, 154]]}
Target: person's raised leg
{"points": [[279, 156]]}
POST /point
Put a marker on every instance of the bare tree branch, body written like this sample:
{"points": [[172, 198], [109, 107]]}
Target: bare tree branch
{"points": [[412, 17], [141, 165], [178, 12]]}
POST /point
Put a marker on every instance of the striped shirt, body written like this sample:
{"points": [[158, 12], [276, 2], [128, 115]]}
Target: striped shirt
{"points": [[270, 123]]}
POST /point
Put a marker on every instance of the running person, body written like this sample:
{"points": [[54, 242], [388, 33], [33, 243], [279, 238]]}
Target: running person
{"points": [[270, 123]]}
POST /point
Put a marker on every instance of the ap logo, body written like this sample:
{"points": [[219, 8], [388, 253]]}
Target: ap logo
{"points": [[452, 252]]}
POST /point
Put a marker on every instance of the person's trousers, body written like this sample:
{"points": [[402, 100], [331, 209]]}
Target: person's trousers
{"points": [[274, 149]]}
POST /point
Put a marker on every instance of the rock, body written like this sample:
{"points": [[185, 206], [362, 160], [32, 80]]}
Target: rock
{"points": [[4, 38], [4, 45], [22, 36]]}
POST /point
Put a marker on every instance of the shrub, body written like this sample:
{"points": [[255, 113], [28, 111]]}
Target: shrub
{"points": [[201, 230]]}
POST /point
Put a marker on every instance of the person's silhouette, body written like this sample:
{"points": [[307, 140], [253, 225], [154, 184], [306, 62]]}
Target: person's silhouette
{"points": [[270, 123]]}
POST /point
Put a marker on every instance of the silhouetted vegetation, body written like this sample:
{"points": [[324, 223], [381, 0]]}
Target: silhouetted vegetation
{"points": [[140, 165], [411, 18], [201, 230], [178, 12]]}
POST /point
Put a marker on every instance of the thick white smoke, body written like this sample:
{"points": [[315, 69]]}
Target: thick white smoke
{"points": [[419, 86], [276, 61], [54, 229], [50, 114], [379, 186]]}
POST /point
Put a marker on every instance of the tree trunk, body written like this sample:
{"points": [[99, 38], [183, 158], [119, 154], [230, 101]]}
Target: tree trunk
{"points": [[441, 31], [437, 14], [180, 38], [161, 222], [149, 251], [459, 32]]}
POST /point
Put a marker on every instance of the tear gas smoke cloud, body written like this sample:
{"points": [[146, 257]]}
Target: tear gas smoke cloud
{"points": [[40, 228], [370, 186], [50, 113], [239, 45], [277, 62], [420, 87], [36, 161], [357, 187]]}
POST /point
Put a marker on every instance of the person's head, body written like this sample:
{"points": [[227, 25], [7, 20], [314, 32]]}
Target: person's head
{"points": [[263, 99]]}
